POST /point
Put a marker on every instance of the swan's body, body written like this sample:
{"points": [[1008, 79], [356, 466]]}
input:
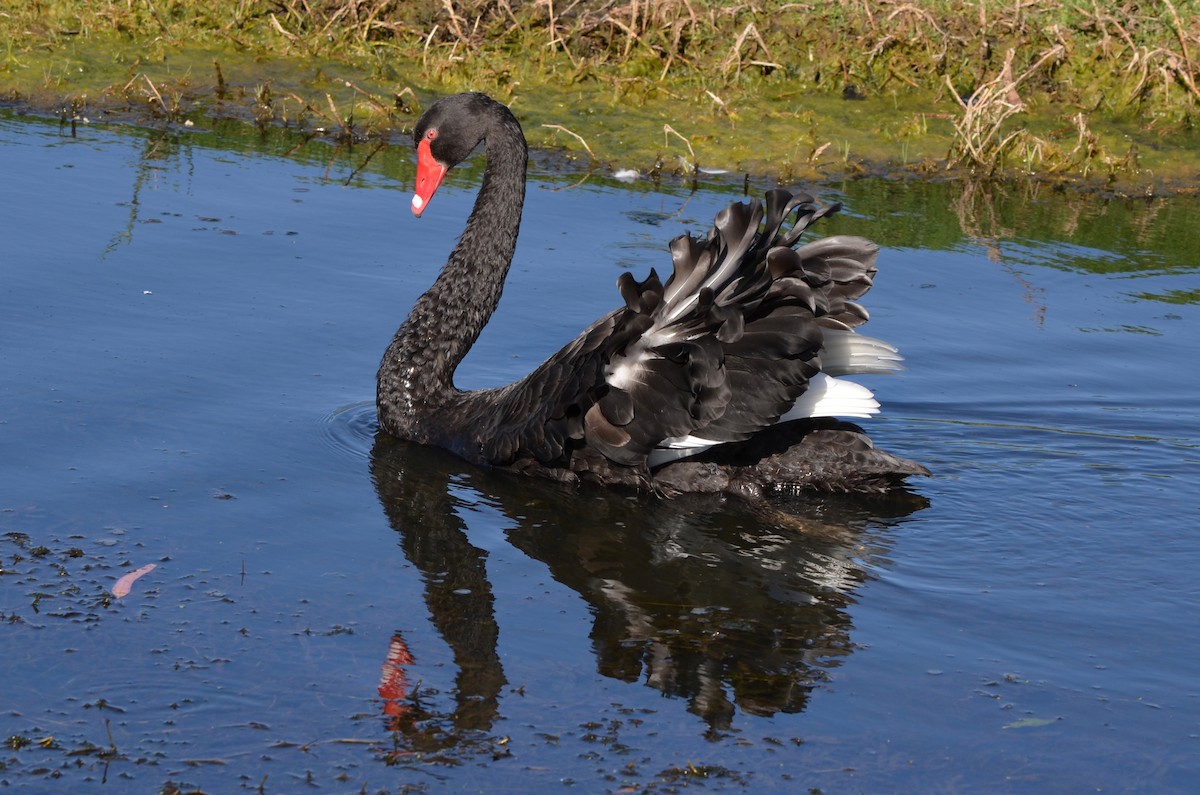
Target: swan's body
{"points": [[723, 379]]}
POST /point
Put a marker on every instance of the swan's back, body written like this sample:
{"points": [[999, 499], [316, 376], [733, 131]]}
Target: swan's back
{"points": [[745, 335]]}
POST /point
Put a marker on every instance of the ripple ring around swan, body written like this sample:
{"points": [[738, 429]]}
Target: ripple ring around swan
{"points": [[350, 430]]}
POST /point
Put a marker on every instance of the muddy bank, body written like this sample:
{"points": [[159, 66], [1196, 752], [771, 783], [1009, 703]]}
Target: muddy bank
{"points": [[951, 89]]}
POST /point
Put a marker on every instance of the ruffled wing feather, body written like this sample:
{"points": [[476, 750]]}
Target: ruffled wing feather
{"points": [[718, 352]]}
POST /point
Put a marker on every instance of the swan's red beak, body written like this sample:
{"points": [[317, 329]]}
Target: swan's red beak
{"points": [[429, 175]]}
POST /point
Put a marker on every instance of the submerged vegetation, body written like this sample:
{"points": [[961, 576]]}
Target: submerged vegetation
{"points": [[1106, 92]]}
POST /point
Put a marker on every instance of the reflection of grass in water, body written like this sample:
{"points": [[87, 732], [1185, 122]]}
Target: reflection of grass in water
{"points": [[912, 84], [1179, 297], [1026, 227], [1125, 328]]}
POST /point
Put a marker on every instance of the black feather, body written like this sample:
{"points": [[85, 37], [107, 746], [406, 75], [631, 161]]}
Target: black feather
{"points": [[719, 351]]}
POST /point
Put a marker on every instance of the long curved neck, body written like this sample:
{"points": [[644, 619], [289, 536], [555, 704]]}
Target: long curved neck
{"points": [[416, 376]]}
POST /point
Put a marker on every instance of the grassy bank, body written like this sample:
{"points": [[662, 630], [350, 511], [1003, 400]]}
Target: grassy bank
{"points": [[1103, 93]]}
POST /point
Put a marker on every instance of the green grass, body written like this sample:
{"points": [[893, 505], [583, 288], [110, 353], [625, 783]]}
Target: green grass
{"points": [[1101, 92]]}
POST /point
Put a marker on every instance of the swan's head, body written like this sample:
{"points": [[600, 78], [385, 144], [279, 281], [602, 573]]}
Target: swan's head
{"points": [[445, 136]]}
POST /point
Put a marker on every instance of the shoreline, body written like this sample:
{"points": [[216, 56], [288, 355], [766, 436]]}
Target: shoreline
{"points": [[955, 90]]}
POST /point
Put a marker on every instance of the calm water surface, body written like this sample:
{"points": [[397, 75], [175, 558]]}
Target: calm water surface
{"points": [[190, 323]]}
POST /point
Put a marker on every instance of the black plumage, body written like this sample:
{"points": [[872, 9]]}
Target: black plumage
{"points": [[712, 358]]}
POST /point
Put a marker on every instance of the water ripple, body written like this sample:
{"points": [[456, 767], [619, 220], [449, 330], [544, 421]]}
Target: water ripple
{"points": [[350, 430]]}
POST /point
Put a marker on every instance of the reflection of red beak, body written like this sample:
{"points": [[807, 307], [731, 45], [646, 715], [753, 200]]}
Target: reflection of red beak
{"points": [[429, 175], [393, 678]]}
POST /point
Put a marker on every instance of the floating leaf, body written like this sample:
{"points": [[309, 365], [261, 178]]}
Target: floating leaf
{"points": [[1031, 723], [123, 584]]}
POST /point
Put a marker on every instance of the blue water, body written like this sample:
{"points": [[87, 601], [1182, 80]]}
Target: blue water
{"points": [[190, 323]]}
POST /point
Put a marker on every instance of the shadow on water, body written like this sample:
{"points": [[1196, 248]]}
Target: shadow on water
{"points": [[726, 605]]}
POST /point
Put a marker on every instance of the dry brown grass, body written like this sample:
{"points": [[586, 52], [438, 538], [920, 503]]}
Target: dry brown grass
{"points": [[982, 141], [986, 65]]}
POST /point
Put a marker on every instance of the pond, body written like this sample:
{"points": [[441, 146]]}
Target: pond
{"points": [[190, 324]]}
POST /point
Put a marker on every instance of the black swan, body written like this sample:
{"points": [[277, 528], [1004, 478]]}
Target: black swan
{"points": [[720, 380]]}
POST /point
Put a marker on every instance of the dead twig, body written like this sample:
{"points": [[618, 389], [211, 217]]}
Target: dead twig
{"points": [[371, 98], [154, 90], [576, 136], [735, 52], [669, 130], [455, 21], [978, 139], [1184, 71]]}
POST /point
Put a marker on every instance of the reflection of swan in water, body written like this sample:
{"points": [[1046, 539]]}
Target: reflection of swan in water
{"points": [[707, 600]]}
